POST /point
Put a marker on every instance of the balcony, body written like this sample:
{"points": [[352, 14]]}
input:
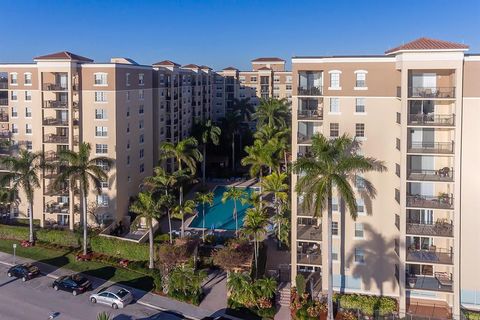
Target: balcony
{"points": [[54, 87], [7, 150], [431, 119], [432, 255], [441, 281], [3, 117], [430, 202], [310, 91], [444, 174], [51, 156], [431, 92], [309, 258], [55, 138], [4, 102], [55, 104], [3, 85], [55, 122], [309, 233], [430, 147], [50, 191], [301, 211], [56, 207], [5, 134], [441, 228], [310, 109]]}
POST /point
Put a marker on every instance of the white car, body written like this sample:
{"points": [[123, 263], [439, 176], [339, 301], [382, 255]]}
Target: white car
{"points": [[114, 296]]}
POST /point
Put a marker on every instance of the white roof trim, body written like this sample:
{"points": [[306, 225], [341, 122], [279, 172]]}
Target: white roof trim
{"points": [[426, 50], [343, 60], [335, 71], [360, 71]]}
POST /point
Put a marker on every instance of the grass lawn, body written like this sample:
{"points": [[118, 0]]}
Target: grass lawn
{"points": [[65, 259]]}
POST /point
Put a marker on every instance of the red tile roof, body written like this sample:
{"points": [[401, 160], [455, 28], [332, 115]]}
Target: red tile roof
{"points": [[191, 66], [205, 67], [230, 68], [264, 68], [428, 44], [166, 63], [63, 55], [273, 59]]}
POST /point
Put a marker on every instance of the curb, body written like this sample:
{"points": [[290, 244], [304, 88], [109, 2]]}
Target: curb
{"points": [[42, 273]]}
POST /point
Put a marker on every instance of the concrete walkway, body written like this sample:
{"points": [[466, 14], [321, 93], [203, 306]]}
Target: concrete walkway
{"points": [[148, 299], [215, 289]]}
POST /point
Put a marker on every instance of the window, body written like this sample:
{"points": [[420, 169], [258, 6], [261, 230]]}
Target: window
{"points": [[142, 168], [102, 200], [253, 79], [100, 79], [28, 96], [140, 124], [141, 139], [29, 145], [14, 78], [359, 182], [334, 253], [334, 130], [14, 128], [288, 79], [128, 144], [128, 160], [397, 143], [141, 153], [127, 80], [335, 80], [276, 79], [28, 79], [103, 165], [397, 169], [28, 128], [14, 112], [28, 112], [335, 228], [361, 79], [104, 184], [359, 255], [141, 79], [334, 105], [101, 131], [128, 111], [127, 95], [100, 114], [360, 207], [288, 87], [360, 105], [358, 230], [360, 130], [140, 109], [399, 118], [334, 204], [141, 94], [100, 96], [101, 148], [14, 96]]}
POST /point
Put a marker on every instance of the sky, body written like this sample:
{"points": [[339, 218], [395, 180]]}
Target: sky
{"points": [[221, 33]]}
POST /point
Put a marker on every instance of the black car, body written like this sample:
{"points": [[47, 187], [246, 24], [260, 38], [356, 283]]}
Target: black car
{"points": [[75, 284], [24, 271]]}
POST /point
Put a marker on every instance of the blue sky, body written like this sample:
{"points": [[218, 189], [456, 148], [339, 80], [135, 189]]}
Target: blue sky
{"points": [[229, 32]]}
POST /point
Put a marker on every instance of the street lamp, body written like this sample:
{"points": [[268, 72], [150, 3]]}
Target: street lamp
{"points": [[14, 247]]}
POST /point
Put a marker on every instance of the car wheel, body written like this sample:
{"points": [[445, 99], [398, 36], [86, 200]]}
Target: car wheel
{"points": [[55, 287], [74, 292], [114, 306], [93, 300], [9, 274], [24, 279]]}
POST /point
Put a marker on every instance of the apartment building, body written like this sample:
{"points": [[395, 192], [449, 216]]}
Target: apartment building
{"points": [[267, 79], [416, 109], [123, 109]]}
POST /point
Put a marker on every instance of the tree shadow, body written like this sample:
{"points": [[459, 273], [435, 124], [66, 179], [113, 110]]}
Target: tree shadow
{"points": [[162, 315], [52, 264], [102, 275], [143, 285]]}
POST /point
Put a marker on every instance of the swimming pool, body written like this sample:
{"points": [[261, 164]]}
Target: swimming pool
{"points": [[220, 215]]}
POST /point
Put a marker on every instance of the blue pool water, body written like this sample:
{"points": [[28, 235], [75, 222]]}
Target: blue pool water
{"points": [[220, 215]]}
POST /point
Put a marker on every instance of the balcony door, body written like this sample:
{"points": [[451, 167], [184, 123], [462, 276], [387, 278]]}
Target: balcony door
{"points": [[62, 80], [422, 163], [424, 137], [424, 80], [426, 189]]}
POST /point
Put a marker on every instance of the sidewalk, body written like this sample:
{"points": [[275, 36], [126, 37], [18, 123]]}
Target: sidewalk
{"points": [[143, 298]]}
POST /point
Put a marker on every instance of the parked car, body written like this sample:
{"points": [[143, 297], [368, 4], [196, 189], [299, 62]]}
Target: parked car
{"points": [[75, 284], [114, 296], [25, 271]]}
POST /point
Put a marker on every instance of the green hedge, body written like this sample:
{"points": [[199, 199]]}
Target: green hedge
{"points": [[119, 248], [368, 305], [60, 237], [471, 315], [13, 232]]}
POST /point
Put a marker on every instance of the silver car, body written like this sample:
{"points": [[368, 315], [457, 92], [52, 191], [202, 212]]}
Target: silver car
{"points": [[114, 296]]}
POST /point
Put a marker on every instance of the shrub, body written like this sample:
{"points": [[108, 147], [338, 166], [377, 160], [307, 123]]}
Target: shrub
{"points": [[300, 283], [13, 232], [471, 315], [119, 248], [368, 305], [64, 238]]}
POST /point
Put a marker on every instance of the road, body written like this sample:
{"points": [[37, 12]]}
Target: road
{"points": [[36, 300]]}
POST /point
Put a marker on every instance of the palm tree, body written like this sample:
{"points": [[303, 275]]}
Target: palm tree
{"points": [[334, 163], [266, 287], [79, 167], [181, 209], [8, 197], [146, 207], [230, 125], [275, 183], [240, 287], [278, 137], [103, 316], [185, 152], [204, 198], [209, 133], [163, 185], [24, 171], [244, 107], [234, 194], [272, 112], [254, 225]]}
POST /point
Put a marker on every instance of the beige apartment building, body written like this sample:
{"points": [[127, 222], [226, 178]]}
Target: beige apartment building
{"points": [[416, 108], [123, 109], [267, 79]]}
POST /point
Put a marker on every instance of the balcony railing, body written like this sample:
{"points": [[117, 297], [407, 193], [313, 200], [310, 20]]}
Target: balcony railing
{"points": [[439, 229], [309, 258], [432, 255], [431, 92], [301, 211], [51, 156], [418, 201], [56, 207], [50, 191], [55, 104], [55, 122], [431, 119], [5, 134], [54, 87], [444, 174], [430, 147], [441, 281], [4, 102], [310, 91], [55, 138], [3, 85], [313, 233], [310, 114], [3, 117], [304, 139]]}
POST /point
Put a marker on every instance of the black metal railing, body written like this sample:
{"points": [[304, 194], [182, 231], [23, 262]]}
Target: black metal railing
{"points": [[55, 104], [55, 138], [431, 255], [3, 85], [431, 119], [3, 117], [430, 147], [312, 232], [439, 229], [443, 174], [54, 87], [55, 122], [4, 102], [419, 201], [309, 258], [440, 281], [431, 92], [310, 113], [310, 91]]}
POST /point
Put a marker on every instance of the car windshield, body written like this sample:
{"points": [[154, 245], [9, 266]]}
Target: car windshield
{"points": [[78, 278], [122, 293], [31, 268]]}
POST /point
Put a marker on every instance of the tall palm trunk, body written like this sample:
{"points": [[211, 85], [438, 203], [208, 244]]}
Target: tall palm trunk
{"points": [[180, 200], [233, 152], [255, 252], [169, 221], [204, 163], [31, 236], [150, 240], [330, 265], [203, 222], [285, 158], [235, 216], [85, 225]]}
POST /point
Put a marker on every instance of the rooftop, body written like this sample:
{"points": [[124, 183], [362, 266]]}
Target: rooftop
{"points": [[230, 68], [428, 44], [270, 59], [63, 55], [166, 63]]}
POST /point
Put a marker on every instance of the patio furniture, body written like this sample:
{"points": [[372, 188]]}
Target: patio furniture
{"points": [[444, 279]]}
